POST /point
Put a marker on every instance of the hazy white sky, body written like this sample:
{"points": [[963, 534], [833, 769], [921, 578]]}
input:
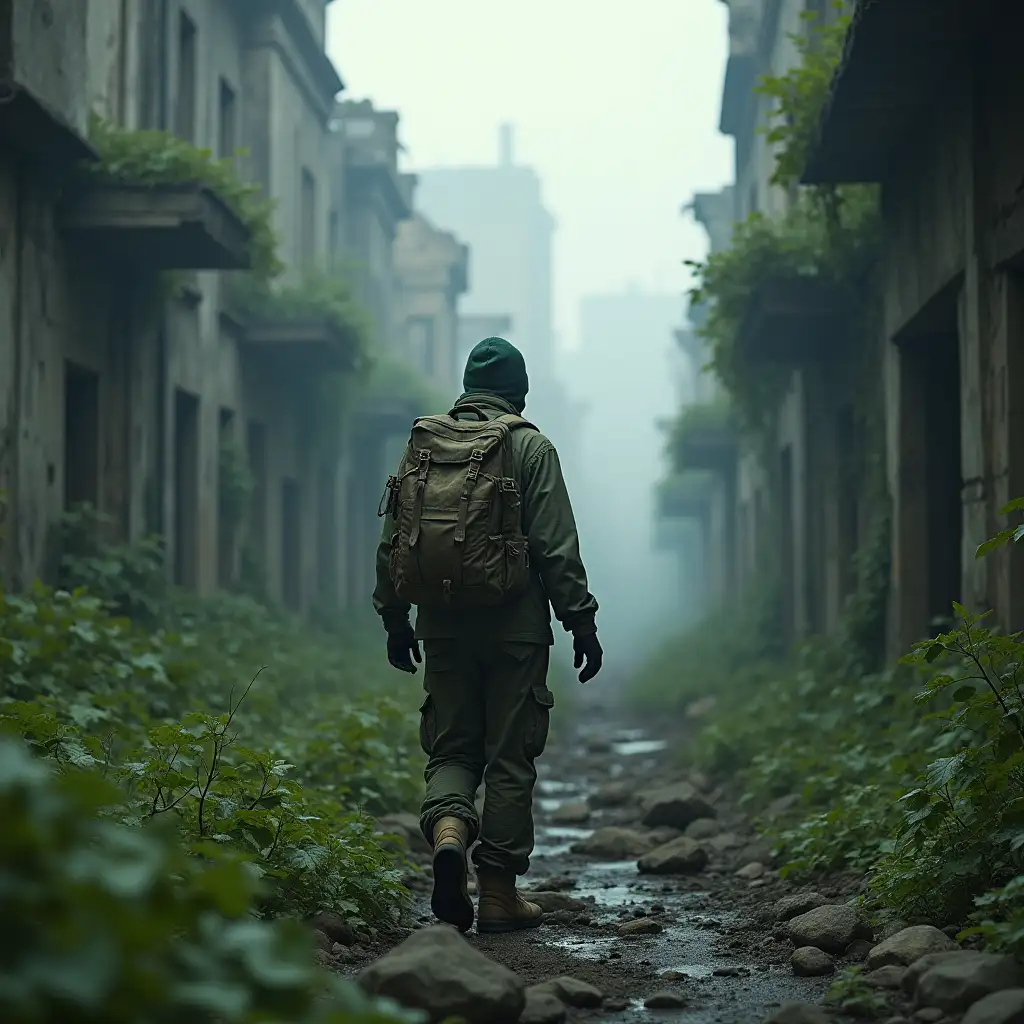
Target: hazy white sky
{"points": [[616, 106]]}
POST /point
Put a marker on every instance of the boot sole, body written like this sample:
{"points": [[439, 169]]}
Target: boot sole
{"points": [[450, 902], [503, 927]]}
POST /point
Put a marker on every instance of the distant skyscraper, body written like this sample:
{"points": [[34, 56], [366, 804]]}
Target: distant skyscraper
{"points": [[499, 212]]}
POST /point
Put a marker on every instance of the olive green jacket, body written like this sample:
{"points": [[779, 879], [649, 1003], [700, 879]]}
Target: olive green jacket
{"points": [[558, 578]]}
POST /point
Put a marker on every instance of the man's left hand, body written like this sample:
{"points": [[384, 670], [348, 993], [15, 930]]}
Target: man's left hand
{"points": [[403, 649]]}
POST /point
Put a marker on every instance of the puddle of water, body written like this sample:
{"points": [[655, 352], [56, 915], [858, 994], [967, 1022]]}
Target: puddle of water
{"points": [[609, 866], [691, 970], [585, 949], [551, 786], [631, 748], [565, 832]]}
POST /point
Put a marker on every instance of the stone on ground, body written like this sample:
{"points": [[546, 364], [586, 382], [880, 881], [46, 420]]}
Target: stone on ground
{"points": [[831, 928], [542, 1007], [439, 972], [552, 902], [811, 962], [755, 869], [908, 945], [575, 993], [703, 828], [799, 903], [682, 856], [640, 926], [798, 1013], [614, 843], [889, 977], [964, 977], [676, 806], [1006, 1007], [666, 1001], [612, 794], [334, 926], [576, 813]]}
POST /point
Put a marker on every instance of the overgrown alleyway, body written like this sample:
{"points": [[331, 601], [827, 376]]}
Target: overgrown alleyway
{"points": [[695, 937]]}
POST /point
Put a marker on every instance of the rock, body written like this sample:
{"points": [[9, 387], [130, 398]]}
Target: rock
{"points": [[612, 794], [573, 992], [334, 926], [1006, 1007], [811, 962], [542, 1007], [755, 869], [552, 902], [799, 903], [576, 813], [616, 1004], [676, 806], [908, 945], [703, 828], [919, 967], [663, 834], [640, 926], [438, 971], [700, 781], [682, 856], [672, 976], [858, 950], [701, 708], [889, 977], [929, 1015], [666, 1001], [407, 827], [966, 976], [614, 843], [323, 941], [599, 745], [831, 928], [724, 841], [798, 1013], [756, 851]]}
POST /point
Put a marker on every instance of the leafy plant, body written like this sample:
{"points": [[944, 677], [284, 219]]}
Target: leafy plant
{"points": [[1011, 535], [116, 924], [701, 418], [160, 158], [235, 484], [852, 995]]}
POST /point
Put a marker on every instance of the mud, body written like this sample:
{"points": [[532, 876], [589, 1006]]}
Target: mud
{"points": [[716, 947]]}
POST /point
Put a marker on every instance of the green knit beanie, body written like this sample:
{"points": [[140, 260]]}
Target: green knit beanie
{"points": [[497, 367]]}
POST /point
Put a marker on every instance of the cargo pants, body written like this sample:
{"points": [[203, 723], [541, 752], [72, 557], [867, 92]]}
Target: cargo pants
{"points": [[485, 718]]}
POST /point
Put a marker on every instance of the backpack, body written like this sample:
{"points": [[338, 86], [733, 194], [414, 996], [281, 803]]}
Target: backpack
{"points": [[458, 535]]}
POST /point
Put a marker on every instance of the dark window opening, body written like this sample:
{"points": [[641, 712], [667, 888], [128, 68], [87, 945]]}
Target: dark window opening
{"points": [[307, 213], [848, 520], [185, 106], [291, 545], [81, 436], [256, 443], [228, 514], [186, 489], [788, 546], [940, 363], [227, 127]]}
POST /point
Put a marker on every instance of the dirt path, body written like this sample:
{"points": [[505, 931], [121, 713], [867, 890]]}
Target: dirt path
{"points": [[710, 941]]}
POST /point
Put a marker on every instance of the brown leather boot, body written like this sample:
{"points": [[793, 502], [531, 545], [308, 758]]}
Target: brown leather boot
{"points": [[450, 900], [502, 907]]}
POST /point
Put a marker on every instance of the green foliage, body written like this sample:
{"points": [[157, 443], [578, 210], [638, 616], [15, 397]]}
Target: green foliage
{"points": [[799, 95], [129, 579], [833, 244], [851, 995], [235, 483], [151, 708], [912, 774], [391, 378], [699, 418], [1012, 535], [160, 158], [316, 295], [116, 924]]}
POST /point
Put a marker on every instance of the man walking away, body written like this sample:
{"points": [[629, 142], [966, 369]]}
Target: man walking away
{"points": [[479, 534]]}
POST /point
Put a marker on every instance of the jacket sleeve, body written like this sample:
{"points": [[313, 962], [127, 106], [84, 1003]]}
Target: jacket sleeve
{"points": [[550, 527], [393, 611]]}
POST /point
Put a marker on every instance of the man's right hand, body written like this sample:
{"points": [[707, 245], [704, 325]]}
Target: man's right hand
{"points": [[403, 649], [587, 648]]}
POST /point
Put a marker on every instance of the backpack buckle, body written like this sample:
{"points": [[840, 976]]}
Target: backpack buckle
{"points": [[477, 455], [508, 485]]}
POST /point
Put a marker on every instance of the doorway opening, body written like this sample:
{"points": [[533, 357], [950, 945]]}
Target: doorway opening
{"points": [[81, 436], [186, 489]]}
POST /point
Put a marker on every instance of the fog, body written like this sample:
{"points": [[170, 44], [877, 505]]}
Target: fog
{"points": [[572, 215]]}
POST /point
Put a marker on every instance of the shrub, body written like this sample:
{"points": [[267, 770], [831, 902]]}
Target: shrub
{"points": [[106, 923]]}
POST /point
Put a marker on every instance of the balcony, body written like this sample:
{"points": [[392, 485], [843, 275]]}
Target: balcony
{"points": [[312, 346], [794, 320], [156, 227]]}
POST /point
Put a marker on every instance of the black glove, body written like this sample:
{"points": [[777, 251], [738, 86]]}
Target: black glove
{"points": [[403, 648], [588, 648]]}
